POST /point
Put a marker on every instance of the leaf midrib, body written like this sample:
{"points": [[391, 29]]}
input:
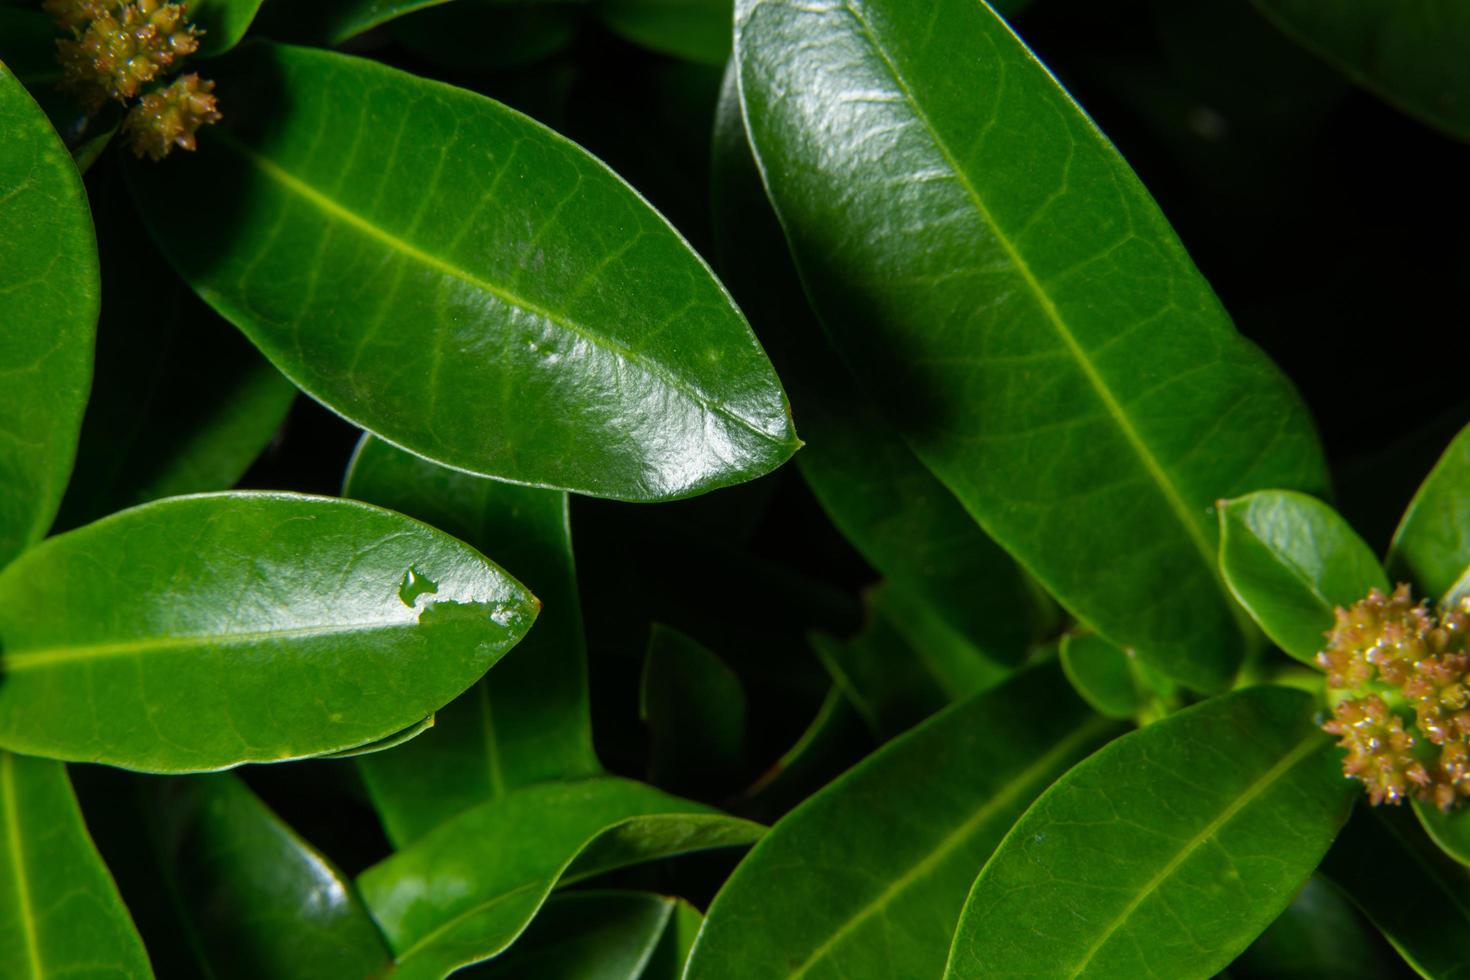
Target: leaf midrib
{"points": [[954, 839], [1193, 528], [1313, 742], [325, 203], [17, 859]]}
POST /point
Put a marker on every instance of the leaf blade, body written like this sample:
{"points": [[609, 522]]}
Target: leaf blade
{"points": [[1431, 546]]}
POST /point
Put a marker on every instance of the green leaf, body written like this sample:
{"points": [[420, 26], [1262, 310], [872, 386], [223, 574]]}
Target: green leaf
{"points": [[698, 30], [1319, 936], [504, 857], [1410, 54], [384, 744], [49, 299], [334, 21], [1166, 853], [1008, 292], [223, 888], [1451, 831], [528, 721], [202, 632], [832, 742], [533, 318], [867, 877], [1110, 679], [1291, 560], [223, 23], [893, 510], [597, 935], [1418, 898], [60, 914], [694, 707], [1431, 547]]}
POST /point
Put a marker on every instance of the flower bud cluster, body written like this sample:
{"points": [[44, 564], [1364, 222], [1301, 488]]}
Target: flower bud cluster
{"points": [[117, 49], [1405, 664]]}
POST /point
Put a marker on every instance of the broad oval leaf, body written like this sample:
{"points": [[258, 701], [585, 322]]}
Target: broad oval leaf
{"points": [[201, 632], [1006, 289], [531, 317], [866, 878], [49, 300], [1431, 547], [1291, 560], [60, 913], [504, 858], [1410, 53], [1166, 853], [526, 722]]}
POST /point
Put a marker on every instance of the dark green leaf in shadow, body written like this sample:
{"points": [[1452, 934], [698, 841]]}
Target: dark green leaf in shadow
{"points": [[866, 879], [223, 23], [694, 707], [893, 510], [528, 720], [489, 35], [1111, 679], [60, 913], [201, 632], [49, 300], [1166, 853], [834, 740], [1451, 831], [1320, 936], [1410, 53], [698, 30], [1431, 547], [1003, 285], [1291, 560], [531, 317], [28, 48], [1418, 898], [504, 858], [331, 22]]}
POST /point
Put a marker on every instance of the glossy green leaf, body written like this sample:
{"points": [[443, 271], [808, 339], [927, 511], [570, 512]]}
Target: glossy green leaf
{"points": [[866, 879], [1290, 560], [528, 720], [1320, 936], [223, 23], [698, 30], [1431, 547], [893, 510], [49, 299], [1011, 296], [202, 632], [1166, 853], [1418, 898], [1410, 53], [596, 935], [223, 888], [535, 320], [504, 857], [694, 707], [1111, 679], [60, 913]]}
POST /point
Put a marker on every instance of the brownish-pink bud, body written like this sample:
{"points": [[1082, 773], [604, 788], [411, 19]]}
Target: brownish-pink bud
{"points": [[169, 117]]}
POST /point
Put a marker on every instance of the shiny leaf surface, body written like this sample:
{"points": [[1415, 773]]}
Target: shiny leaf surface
{"points": [[536, 320], [504, 857], [60, 913], [1431, 547], [49, 300], [1291, 559], [694, 707], [1410, 53], [866, 879], [528, 721], [1011, 296], [202, 632], [1166, 853]]}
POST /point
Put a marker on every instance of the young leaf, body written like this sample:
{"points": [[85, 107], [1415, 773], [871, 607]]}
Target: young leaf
{"points": [[868, 876], [532, 319], [49, 298], [698, 30], [1166, 853], [222, 23], [1431, 547], [201, 632], [60, 914], [1006, 289], [1418, 898], [1291, 560], [1411, 55], [1110, 679], [506, 856], [203, 857], [893, 510], [694, 707], [528, 721]]}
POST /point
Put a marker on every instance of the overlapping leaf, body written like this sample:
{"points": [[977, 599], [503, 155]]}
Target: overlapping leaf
{"points": [[1431, 547]]}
